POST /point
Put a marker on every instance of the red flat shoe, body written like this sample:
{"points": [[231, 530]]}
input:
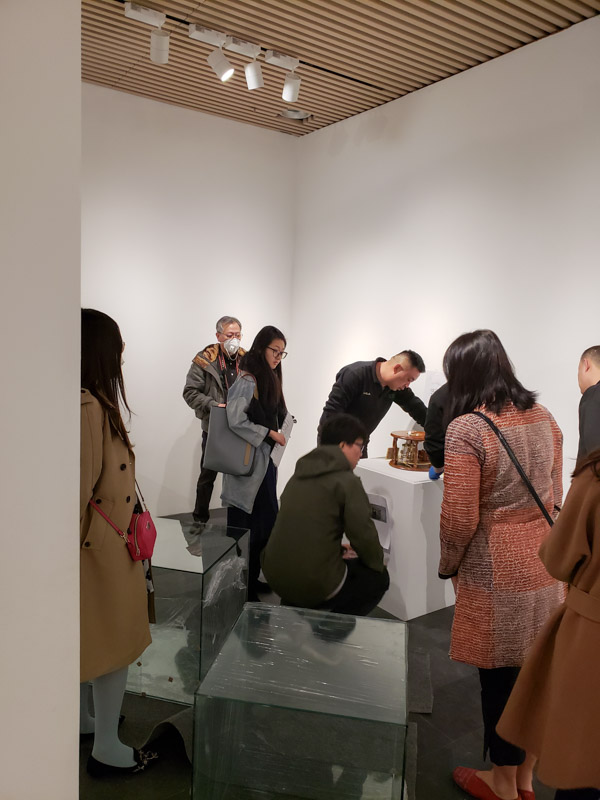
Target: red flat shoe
{"points": [[525, 794], [467, 779]]}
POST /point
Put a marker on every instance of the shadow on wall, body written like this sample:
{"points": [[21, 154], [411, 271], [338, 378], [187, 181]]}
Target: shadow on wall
{"points": [[182, 460], [430, 523]]}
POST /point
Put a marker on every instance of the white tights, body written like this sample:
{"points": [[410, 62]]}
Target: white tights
{"points": [[108, 691]]}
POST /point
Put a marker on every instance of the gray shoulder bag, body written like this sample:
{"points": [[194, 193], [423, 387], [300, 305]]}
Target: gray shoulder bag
{"points": [[225, 451]]}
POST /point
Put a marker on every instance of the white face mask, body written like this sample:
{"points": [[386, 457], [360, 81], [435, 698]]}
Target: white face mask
{"points": [[231, 347]]}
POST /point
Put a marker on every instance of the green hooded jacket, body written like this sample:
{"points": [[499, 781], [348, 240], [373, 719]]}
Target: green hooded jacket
{"points": [[323, 500]]}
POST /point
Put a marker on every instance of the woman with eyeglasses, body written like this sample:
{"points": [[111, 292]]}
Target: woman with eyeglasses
{"points": [[255, 411]]}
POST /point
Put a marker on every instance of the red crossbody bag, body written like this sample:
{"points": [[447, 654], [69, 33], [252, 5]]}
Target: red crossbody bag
{"points": [[141, 533]]}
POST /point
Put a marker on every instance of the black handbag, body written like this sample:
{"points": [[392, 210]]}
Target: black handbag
{"points": [[520, 469]]}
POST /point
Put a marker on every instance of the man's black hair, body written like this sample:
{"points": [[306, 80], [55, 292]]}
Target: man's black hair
{"points": [[342, 428], [414, 359]]}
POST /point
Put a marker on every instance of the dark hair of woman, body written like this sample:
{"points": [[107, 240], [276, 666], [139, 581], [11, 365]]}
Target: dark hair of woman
{"points": [[592, 460], [101, 374], [268, 381], [479, 373]]}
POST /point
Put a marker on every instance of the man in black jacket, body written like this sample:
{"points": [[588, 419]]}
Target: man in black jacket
{"points": [[367, 389], [588, 376]]}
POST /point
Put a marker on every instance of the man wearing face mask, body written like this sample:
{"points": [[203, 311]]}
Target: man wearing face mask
{"points": [[367, 389], [213, 371]]}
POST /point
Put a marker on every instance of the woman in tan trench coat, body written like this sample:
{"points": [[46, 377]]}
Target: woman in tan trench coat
{"points": [[114, 614], [554, 709]]}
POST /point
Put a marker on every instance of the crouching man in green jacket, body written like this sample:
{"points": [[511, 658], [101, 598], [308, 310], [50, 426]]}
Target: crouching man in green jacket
{"points": [[304, 560]]}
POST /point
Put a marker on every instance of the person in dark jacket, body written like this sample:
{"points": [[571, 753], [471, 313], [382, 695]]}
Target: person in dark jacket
{"points": [[435, 430], [367, 389], [213, 371], [588, 376], [304, 560]]}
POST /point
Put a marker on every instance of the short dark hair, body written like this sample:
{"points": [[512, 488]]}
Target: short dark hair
{"points": [[593, 353], [413, 358], [479, 373], [342, 428]]}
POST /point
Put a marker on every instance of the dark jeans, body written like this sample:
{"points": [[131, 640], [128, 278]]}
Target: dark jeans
{"points": [[577, 794], [496, 686], [260, 522], [361, 592], [204, 487]]}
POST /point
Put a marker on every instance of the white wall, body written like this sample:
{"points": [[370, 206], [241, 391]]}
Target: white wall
{"points": [[186, 217], [471, 203], [39, 324]]}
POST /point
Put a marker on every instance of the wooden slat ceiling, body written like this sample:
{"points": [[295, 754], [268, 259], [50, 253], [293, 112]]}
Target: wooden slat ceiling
{"points": [[353, 55]]}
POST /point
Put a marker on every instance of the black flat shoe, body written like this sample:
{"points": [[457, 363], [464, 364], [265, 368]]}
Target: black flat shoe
{"points": [[143, 758], [83, 737]]}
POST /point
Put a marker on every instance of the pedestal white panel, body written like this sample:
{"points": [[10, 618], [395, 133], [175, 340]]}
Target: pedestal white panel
{"points": [[412, 535]]}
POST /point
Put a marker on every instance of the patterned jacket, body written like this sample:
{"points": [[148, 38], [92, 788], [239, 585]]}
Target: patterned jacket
{"points": [[491, 531]]}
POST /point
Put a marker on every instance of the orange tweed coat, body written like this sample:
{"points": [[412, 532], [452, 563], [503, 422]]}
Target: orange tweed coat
{"points": [[491, 531], [554, 709]]}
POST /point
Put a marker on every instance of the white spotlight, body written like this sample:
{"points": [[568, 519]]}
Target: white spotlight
{"points": [[159, 47], [221, 65], [254, 76], [291, 88]]}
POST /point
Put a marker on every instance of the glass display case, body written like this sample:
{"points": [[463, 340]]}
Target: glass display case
{"points": [[200, 575], [303, 703]]}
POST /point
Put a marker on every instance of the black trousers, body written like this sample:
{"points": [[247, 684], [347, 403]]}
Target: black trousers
{"points": [[496, 686], [361, 592], [577, 794], [260, 522], [204, 487]]}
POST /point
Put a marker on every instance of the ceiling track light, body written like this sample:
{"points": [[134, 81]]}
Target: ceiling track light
{"points": [[221, 65], [254, 76], [279, 60], [208, 36], [159, 47], [291, 87], [143, 14]]}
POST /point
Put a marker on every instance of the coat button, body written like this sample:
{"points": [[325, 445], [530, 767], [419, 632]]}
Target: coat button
{"points": [[128, 499], [123, 466], [98, 500], [87, 544]]}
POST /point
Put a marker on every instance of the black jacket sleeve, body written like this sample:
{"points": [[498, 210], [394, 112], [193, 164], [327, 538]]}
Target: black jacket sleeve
{"points": [[347, 387], [435, 430], [413, 405], [589, 421]]}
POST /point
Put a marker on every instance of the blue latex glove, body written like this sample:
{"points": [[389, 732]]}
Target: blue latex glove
{"points": [[434, 475]]}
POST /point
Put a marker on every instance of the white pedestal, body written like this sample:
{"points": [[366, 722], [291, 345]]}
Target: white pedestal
{"points": [[413, 526]]}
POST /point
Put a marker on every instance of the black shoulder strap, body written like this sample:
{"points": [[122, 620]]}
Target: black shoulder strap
{"points": [[515, 461]]}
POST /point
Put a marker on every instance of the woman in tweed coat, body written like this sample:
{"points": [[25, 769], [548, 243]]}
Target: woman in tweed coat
{"points": [[491, 530]]}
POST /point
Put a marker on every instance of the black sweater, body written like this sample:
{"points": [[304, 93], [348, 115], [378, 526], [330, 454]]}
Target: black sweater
{"points": [[357, 391], [435, 429]]}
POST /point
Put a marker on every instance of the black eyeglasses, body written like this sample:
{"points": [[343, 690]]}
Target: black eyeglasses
{"points": [[361, 445], [277, 353]]}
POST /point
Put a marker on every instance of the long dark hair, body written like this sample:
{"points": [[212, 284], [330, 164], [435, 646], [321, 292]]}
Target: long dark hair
{"points": [[101, 374], [479, 373], [268, 381], [592, 460]]}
